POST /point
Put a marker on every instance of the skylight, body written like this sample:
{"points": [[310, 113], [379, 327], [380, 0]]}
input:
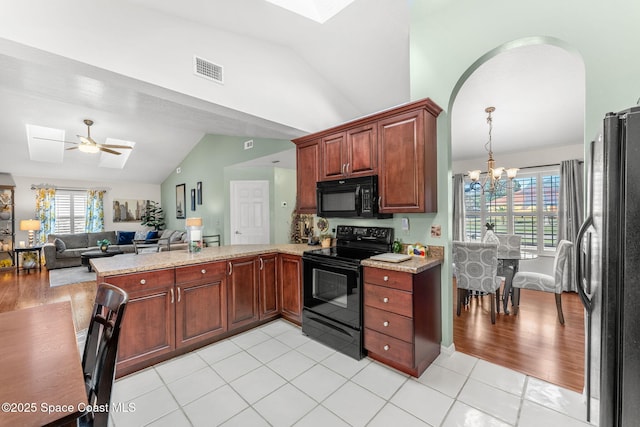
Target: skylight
{"points": [[317, 10], [45, 150], [113, 161]]}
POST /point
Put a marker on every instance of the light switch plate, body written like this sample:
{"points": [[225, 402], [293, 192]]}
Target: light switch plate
{"points": [[405, 224]]}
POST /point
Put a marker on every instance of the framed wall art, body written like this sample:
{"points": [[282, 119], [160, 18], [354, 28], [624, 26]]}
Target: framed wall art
{"points": [[129, 210], [199, 192], [181, 201], [193, 199]]}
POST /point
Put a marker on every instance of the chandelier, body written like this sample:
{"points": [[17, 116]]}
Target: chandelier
{"points": [[493, 181]]}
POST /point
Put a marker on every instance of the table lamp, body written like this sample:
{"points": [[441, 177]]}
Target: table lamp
{"points": [[30, 225]]}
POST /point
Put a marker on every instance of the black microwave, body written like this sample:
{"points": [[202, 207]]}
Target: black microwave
{"points": [[349, 198]]}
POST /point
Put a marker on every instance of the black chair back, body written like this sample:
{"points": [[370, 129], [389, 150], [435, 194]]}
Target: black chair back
{"points": [[101, 351]]}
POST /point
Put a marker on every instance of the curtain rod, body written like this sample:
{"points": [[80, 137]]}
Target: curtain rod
{"points": [[34, 187]]}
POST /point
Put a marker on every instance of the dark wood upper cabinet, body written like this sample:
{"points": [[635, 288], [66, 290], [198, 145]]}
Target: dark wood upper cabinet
{"points": [[398, 145], [308, 166]]}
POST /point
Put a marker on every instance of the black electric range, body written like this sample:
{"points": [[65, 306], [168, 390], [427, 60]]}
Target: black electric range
{"points": [[333, 287]]}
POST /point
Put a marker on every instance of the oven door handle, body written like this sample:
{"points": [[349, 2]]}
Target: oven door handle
{"points": [[329, 325]]}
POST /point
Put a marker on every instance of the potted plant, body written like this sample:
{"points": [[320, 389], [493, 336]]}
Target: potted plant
{"points": [[153, 216], [104, 244]]}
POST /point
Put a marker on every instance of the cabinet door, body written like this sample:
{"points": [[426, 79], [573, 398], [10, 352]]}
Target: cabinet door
{"points": [[407, 163], [334, 159], [201, 305], [148, 326], [269, 304], [290, 285], [242, 292], [308, 163], [362, 151]]}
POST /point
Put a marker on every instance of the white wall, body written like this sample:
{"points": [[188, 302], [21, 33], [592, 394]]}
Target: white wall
{"points": [[25, 199]]}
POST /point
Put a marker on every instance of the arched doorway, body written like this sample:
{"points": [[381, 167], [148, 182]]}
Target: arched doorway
{"points": [[537, 86]]}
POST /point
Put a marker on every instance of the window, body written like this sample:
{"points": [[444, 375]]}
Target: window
{"points": [[71, 208], [530, 210]]}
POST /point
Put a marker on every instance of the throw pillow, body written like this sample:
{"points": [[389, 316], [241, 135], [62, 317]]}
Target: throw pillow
{"points": [[151, 235], [126, 237], [140, 235], [60, 246]]}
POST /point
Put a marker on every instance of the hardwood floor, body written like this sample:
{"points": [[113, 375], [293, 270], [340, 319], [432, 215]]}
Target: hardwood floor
{"points": [[533, 342], [31, 289]]}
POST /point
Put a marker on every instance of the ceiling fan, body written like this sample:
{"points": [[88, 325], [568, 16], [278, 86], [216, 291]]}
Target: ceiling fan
{"points": [[88, 144]]}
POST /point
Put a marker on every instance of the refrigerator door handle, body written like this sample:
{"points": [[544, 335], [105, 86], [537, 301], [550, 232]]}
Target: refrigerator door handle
{"points": [[586, 300]]}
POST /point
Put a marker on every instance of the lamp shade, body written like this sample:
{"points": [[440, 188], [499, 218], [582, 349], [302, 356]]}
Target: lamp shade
{"points": [[29, 225], [194, 222]]}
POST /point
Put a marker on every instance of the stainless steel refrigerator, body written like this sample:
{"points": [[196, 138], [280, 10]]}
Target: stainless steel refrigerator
{"points": [[608, 267]]}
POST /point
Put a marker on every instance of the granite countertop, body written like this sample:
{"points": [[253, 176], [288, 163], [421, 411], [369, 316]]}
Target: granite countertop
{"points": [[414, 265], [132, 263]]}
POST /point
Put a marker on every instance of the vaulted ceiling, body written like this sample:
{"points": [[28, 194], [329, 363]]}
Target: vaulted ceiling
{"points": [[127, 66]]}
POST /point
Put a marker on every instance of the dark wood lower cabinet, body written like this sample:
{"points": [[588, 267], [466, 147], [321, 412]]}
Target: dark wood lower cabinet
{"points": [[268, 272], [201, 309], [402, 318], [242, 292], [175, 310], [290, 287]]}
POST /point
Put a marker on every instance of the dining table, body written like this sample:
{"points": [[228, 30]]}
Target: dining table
{"points": [[511, 259], [41, 380]]}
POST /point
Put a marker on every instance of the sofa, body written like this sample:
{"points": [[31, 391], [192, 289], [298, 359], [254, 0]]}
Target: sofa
{"points": [[64, 250]]}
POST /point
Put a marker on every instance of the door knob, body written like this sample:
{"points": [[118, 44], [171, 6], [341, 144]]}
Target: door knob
{"points": [[385, 324], [385, 299]]}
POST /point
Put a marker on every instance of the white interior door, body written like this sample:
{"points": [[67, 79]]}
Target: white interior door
{"points": [[249, 215]]}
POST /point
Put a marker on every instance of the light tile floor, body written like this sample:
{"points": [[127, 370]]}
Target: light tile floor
{"points": [[276, 376]]}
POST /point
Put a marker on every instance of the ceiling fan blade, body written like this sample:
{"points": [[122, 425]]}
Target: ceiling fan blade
{"points": [[71, 148], [106, 150], [114, 146], [56, 140]]}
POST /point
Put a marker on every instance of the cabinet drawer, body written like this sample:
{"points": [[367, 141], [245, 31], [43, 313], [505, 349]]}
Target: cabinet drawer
{"points": [[389, 323], [389, 278], [388, 299], [208, 272], [139, 281], [388, 347]]}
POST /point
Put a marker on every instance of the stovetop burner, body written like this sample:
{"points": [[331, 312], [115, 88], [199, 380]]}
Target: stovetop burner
{"points": [[353, 244]]}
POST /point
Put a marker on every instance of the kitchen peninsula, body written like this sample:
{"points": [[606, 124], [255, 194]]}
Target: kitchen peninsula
{"points": [[180, 301]]}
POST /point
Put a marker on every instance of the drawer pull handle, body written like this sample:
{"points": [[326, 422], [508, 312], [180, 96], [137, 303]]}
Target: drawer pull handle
{"points": [[385, 278], [143, 282], [386, 348], [385, 300], [203, 271], [385, 324]]}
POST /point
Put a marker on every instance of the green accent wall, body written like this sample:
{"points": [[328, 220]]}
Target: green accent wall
{"points": [[207, 163], [450, 39]]}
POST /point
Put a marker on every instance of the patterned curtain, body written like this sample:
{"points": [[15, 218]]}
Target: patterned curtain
{"points": [[95, 211], [46, 211], [570, 206]]}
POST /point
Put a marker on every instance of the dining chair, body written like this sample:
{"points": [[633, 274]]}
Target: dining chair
{"points": [[100, 352], [544, 282], [476, 266]]}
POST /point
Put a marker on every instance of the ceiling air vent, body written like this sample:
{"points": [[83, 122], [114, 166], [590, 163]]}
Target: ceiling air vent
{"points": [[207, 69]]}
